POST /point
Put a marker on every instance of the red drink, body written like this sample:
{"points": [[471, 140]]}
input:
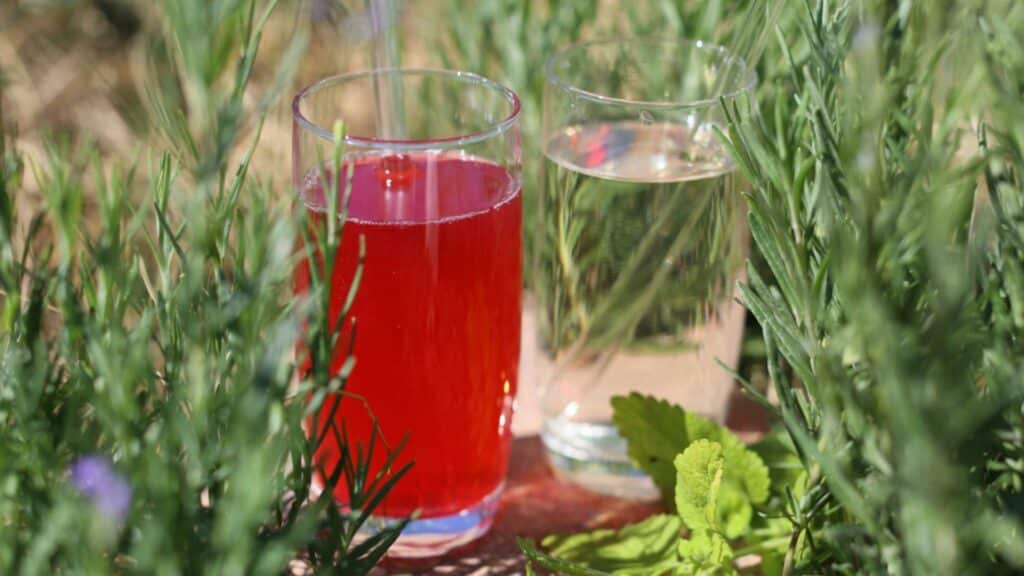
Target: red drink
{"points": [[438, 314]]}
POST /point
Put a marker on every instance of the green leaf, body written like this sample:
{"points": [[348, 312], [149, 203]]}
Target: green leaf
{"points": [[657, 431], [746, 470], [640, 549], [533, 554], [699, 472], [706, 552], [734, 511], [784, 466], [746, 483]]}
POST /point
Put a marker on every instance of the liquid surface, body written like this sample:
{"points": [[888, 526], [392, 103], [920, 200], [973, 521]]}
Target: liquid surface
{"points": [[438, 313], [643, 237], [642, 153]]}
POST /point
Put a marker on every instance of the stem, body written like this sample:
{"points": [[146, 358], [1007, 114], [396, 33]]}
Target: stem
{"points": [[568, 269], [761, 546], [787, 564]]}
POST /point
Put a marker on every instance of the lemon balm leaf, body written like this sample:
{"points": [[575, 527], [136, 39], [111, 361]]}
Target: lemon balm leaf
{"points": [[657, 432], [549, 562], [642, 548], [699, 473], [747, 472], [706, 552]]}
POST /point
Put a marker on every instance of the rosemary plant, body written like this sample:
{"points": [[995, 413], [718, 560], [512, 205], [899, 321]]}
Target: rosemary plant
{"points": [[151, 406], [887, 210], [890, 319]]}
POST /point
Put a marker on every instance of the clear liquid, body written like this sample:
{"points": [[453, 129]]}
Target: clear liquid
{"points": [[643, 237]]}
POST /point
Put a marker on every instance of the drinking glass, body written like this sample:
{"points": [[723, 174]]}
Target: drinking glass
{"points": [[641, 241], [435, 197]]}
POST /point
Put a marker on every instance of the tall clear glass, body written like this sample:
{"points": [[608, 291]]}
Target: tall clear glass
{"points": [[641, 240], [438, 305]]}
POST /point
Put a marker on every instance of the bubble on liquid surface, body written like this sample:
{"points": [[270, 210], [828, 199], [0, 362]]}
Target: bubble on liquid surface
{"points": [[396, 170]]}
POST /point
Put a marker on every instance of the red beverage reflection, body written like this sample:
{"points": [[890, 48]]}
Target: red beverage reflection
{"points": [[438, 314]]}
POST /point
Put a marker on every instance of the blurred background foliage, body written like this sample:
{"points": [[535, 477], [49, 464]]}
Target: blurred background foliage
{"points": [[87, 67]]}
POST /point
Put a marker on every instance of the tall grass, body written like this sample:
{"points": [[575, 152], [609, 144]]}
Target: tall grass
{"points": [[152, 408]]}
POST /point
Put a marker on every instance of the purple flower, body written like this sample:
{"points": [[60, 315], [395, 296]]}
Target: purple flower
{"points": [[95, 477]]}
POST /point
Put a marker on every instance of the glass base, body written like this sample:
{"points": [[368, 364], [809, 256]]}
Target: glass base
{"points": [[433, 537], [593, 455]]}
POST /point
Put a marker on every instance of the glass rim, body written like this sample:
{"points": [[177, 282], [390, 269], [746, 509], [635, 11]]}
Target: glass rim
{"points": [[468, 78], [745, 87]]}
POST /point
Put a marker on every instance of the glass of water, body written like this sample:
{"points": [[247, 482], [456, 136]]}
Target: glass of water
{"points": [[641, 241]]}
